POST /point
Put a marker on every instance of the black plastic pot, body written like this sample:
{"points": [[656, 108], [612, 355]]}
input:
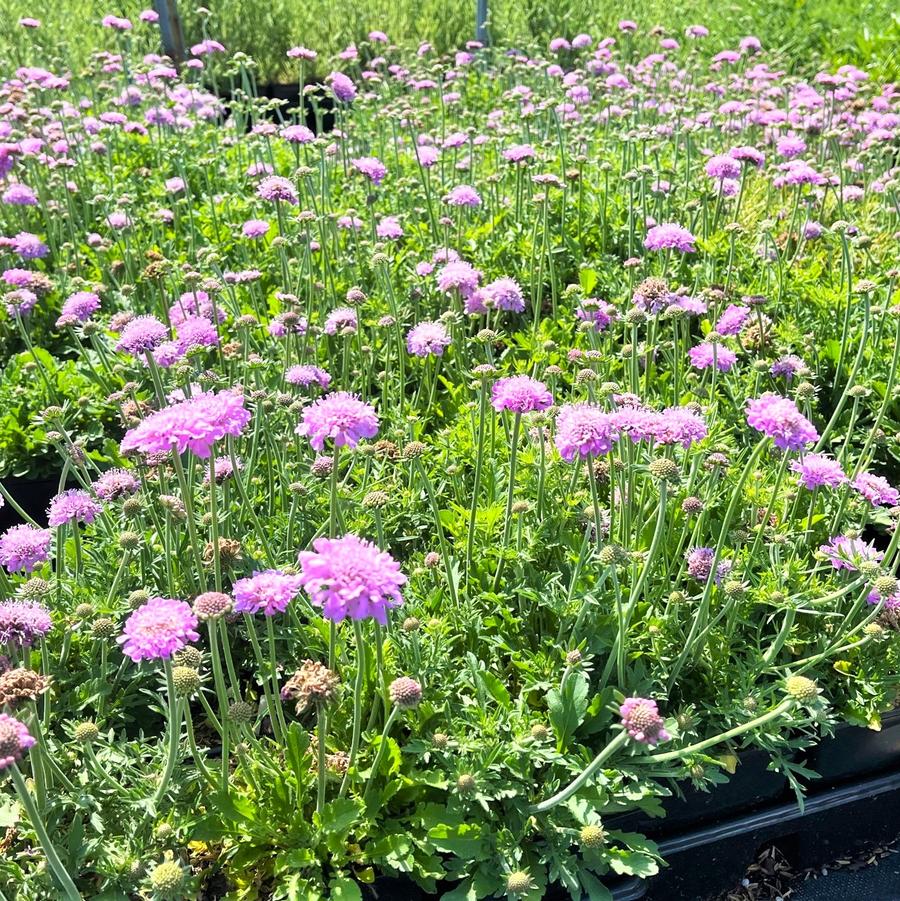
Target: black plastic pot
{"points": [[32, 495]]}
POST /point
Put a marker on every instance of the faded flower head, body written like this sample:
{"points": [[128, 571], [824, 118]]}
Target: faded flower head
{"points": [[312, 685]]}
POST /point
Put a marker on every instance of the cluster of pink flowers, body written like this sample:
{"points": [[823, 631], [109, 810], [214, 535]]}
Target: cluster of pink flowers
{"points": [[340, 417], [194, 424], [157, 629], [270, 590], [350, 577], [779, 419]]}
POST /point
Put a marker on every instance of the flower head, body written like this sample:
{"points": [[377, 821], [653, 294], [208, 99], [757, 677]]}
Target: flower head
{"points": [[876, 490], [342, 417], [427, 339], [15, 740], [306, 374], [276, 188], [520, 394], [78, 307], [24, 547], [270, 590], [74, 505], [779, 419], [157, 629], [704, 355], [351, 577], [115, 483], [585, 430], [23, 622], [848, 553], [194, 424], [670, 236], [641, 719], [817, 470], [371, 167], [141, 334]]}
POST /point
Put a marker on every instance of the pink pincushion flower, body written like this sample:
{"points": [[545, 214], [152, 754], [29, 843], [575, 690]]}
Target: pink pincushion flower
{"points": [[340, 319], [254, 228], [157, 629], [641, 719], [779, 419], [351, 577], [342, 417], [24, 547], [15, 740], [677, 425], [342, 86], [817, 470], [460, 276], [196, 331], [670, 236], [23, 622], [705, 355], [371, 167], [276, 188], [849, 553], [78, 307], [269, 590], [463, 195], [585, 430], [598, 311], [876, 490], [520, 394], [427, 339], [732, 320], [72, 506], [141, 334], [114, 484], [194, 424], [505, 294], [306, 375]]}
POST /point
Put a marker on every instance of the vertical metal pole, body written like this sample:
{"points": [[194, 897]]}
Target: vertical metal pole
{"points": [[170, 29], [481, 14]]}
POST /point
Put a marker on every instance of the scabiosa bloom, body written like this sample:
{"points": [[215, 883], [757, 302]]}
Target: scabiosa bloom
{"points": [[74, 505], [18, 194], [876, 490], [157, 629], [351, 577], [224, 469], [342, 87], [297, 134], [463, 195], [699, 563], [23, 622], [371, 167], [115, 484], [254, 228], [196, 331], [342, 417], [204, 48], [505, 294], [641, 719], [779, 419], [586, 430], [29, 246], [789, 366], [705, 355], [676, 425], [891, 601], [15, 740], [194, 424], [20, 302], [78, 307], [268, 590], [817, 470], [732, 320], [670, 236], [389, 228], [460, 276], [598, 311], [722, 167], [141, 334], [276, 188], [340, 319], [520, 394], [307, 375], [427, 338], [849, 553], [24, 547]]}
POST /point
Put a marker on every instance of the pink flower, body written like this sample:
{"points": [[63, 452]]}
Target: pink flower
{"points": [[72, 506], [427, 339], [24, 547], [705, 355], [15, 740], [78, 307], [270, 591], [817, 470], [849, 553], [520, 394], [876, 490], [371, 167], [194, 424], [351, 577], [141, 334], [23, 622], [341, 417], [585, 430], [779, 418], [157, 629], [641, 719], [670, 236]]}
